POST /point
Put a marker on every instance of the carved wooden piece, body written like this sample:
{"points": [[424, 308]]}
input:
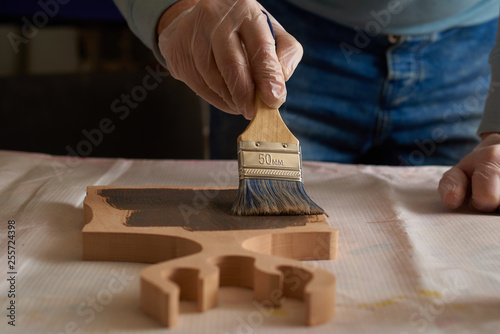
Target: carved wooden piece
{"points": [[198, 246]]}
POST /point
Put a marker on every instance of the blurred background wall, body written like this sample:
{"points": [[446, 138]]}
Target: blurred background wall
{"points": [[74, 80]]}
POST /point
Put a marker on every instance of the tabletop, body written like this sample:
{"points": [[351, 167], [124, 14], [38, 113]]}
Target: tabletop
{"points": [[405, 264]]}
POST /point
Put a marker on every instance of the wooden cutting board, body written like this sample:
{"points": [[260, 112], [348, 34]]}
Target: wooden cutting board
{"points": [[197, 246]]}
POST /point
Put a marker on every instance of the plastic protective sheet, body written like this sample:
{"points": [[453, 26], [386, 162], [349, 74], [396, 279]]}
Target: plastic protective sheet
{"points": [[406, 264]]}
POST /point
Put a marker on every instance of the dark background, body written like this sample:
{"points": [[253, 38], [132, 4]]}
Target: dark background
{"points": [[63, 81]]}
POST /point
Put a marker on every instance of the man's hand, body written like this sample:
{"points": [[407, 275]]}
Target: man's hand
{"points": [[225, 52], [476, 178]]}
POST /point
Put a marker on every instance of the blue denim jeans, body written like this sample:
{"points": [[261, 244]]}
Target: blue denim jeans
{"points": [[360, 97]]}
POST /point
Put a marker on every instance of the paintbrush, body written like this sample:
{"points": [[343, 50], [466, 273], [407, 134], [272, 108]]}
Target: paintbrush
{"points": [[270, 168]]}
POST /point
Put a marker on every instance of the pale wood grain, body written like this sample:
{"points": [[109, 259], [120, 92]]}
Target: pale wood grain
{"points": [[267, 126]]}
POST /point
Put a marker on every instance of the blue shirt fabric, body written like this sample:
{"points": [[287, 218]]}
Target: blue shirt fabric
{"points": [[399, 17]]}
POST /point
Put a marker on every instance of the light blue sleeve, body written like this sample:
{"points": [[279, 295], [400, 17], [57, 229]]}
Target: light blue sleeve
{"points": [[142, 18], [491, 116]]}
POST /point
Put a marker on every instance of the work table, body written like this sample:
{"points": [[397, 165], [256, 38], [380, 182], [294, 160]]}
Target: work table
{"points": [[405, 264]]}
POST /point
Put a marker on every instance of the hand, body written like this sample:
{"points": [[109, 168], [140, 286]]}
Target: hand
{"points": [[476, 178], [225, 52]]}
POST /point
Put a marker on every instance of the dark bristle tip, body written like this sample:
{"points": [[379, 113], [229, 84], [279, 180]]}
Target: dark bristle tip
{"points": [[263, 197]]}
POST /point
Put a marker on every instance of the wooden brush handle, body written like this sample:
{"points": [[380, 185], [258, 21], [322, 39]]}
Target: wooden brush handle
{"points": [[267, 126]]}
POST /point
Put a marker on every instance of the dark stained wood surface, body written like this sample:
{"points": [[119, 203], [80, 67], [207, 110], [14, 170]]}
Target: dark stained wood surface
{"points": [[193, 209]]}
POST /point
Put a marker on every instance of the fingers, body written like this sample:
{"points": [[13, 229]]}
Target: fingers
{"points": [[486, 181], [264, 63], [187, 48], [233, 69], [225, 52], [453, 187], [288, 49], [183, 66], [477, 174]]}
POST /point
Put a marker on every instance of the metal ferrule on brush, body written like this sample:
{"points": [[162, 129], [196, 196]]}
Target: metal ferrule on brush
{"points": [[267, 160]]}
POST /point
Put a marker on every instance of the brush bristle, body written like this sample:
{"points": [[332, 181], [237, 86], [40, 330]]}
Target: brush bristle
{"points": [[273, 197]]}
